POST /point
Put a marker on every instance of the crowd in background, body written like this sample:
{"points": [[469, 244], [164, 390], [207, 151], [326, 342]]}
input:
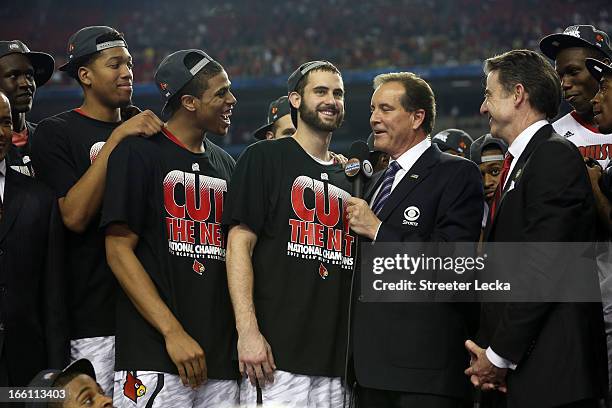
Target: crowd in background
{"points": [[357, 36]]}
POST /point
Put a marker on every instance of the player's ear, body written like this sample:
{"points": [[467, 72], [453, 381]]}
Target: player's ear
{"points": [[269, 135], [295, 100], [189, 102], [84, 75]]}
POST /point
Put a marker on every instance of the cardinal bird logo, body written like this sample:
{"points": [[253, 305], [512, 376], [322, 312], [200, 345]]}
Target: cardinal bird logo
{"points": [[198, 267], [133, 388], [163, 86], [323, 271]]}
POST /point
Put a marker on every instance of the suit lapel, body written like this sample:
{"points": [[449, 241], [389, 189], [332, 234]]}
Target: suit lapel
{"points": [[540, 136], [417, 173], [12, 203]]}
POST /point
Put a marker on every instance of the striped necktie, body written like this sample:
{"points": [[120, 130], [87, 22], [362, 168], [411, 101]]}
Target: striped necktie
{"points": [[385, 187]]}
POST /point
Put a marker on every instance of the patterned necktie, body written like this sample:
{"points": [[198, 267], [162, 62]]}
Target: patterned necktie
{"points": [[385, 187], [502, 180]]}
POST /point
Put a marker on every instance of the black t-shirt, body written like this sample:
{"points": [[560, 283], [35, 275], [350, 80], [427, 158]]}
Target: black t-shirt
{"points": [[173, 200], [63, 148], [304, 254]]}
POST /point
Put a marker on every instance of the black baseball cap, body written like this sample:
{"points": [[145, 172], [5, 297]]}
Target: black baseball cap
{"points": [[484, 142], [48, 378], [296, 77], [43, 63], [277, 109], [453, 139], [172, 73], [86, 42], [576, 36], [597, 68]]}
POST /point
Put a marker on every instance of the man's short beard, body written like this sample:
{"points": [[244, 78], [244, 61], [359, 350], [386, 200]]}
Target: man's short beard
{"points": [[311, 118]]}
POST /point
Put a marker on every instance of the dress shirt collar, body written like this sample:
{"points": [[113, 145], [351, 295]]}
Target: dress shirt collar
{"points": [[410, 156], [520, 143]]}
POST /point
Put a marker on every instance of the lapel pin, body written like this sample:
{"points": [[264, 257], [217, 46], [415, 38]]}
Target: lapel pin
{"points": [[414, 176], [518, 174]]}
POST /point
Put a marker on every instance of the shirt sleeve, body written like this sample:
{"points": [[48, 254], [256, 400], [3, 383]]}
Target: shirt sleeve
{"points": [[128, 176], [52, 158], [498, 361], [247, 200]]}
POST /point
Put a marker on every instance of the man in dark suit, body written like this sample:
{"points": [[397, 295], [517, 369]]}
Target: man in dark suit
{"points": [[410, 354], [541, 354], [33, 325]]}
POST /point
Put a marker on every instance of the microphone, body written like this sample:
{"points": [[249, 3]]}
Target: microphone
{"points": [[358, 166]]}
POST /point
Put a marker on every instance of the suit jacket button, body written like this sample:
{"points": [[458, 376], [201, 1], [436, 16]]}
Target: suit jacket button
{"points": [[2, 289], [1, 326], [1, 251]]}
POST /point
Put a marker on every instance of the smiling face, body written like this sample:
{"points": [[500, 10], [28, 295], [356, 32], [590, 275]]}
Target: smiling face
{"points": [[498, 105], [579, 87], [109, 77], [322, 104], [17, 81], [602, 105], [394, 128], [214, 107]]}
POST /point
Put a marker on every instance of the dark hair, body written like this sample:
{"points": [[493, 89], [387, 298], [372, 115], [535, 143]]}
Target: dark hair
{"points": [[327, 67], [198, 84], [86, 60], [531, 70], [417, 95]]}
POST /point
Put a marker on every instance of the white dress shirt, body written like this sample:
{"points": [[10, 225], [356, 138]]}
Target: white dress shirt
{"points": [[2, 178], [516, 149], [406, 161], [520, 143]]}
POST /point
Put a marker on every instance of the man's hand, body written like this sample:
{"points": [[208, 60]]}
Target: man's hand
{"points": [[482, 373], [144, 124], [255, 358], [595, 171], [339, 158], [361, 218], [188, 357]]}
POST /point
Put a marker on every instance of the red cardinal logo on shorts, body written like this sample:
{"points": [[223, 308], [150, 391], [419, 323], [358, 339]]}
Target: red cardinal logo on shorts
{"points": [[133, 388], [323, 271], [198, 267]]}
